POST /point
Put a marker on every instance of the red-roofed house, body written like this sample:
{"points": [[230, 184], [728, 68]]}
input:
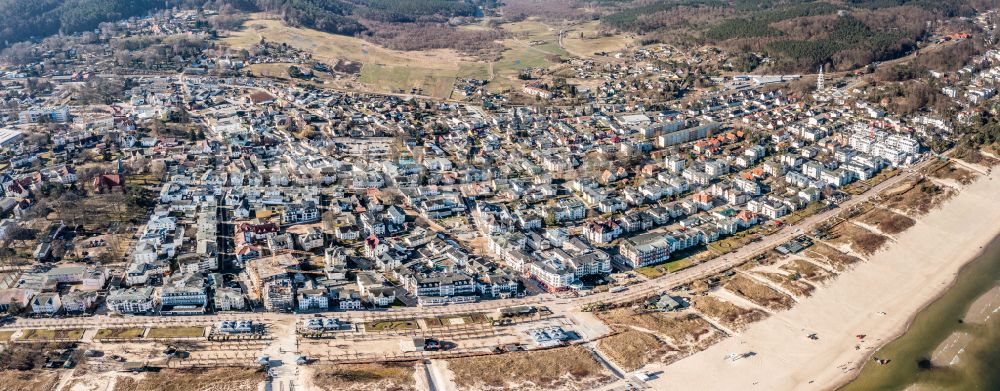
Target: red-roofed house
{"points": [[107, 183]]}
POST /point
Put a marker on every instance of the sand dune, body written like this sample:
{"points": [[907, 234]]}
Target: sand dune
{"points": [[876, 299]]}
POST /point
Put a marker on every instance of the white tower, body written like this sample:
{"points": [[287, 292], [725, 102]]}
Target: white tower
{"points": [[820, 80]]}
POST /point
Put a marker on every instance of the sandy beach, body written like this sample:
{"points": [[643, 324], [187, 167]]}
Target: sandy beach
{"points": [[949, 352], [983, 308], [876, 299]]}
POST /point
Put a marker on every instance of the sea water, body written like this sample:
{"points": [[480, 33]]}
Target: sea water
{"points": [[978, 367]]}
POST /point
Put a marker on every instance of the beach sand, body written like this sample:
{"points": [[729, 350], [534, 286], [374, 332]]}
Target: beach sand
{"points": [[984, 307], [875, 299], [950, 350]]}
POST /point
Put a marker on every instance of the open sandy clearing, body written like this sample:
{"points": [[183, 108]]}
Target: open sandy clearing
{"points": [[552, 369]]}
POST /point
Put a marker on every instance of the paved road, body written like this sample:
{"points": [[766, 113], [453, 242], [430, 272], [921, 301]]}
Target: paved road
{"points": [[283, 365], [437, 378], [430, 376], [592, 347]]}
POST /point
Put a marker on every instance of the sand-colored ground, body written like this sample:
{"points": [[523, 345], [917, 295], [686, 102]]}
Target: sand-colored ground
{"points": [[585, 39], [759, 293], [334, 347], [383, 70], [806, 270], [954, 172], [568, 368], [949, 351], [531, 44], [331, 47], [920, 198], [858, 240], [375, 376], [877, 298], [632, 349], [887, 221], [685, 330], [984, 307], [834, 258], [27, 380], [730, 315], [219, 379], [789, 283]]}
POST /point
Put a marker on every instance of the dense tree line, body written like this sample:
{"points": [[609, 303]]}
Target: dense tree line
{"points": [[517, 10], [21, 20], [983, 133], [799, 35], [740, 28], [638, 19], [348, 17], [947, 59], [330, 16], [395, 11], [421, 36], [158, 51], [758, 24], [941, 7], [913, 96], [848, 44], [796, 11]]}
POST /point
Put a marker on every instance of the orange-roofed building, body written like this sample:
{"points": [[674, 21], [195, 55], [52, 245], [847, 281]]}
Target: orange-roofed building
{"points": [[746, 218], [702, 200]]}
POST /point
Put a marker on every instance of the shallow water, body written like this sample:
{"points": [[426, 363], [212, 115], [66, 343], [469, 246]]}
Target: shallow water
{"points": [[979, 365]]}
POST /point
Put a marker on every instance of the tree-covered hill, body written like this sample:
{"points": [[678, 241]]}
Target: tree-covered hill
{"points": [[22, 20], [798, 35]]}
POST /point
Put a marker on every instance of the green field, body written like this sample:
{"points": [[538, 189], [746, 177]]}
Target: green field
{"points": [[433, 322], [122, 333], [44, 335], [860, 187], [390, 325], [467, 319], [669, 267], [433, 82], [383, 70], [176, 332], [512, 63], [432, 71], [585, 39], [742, 238]]}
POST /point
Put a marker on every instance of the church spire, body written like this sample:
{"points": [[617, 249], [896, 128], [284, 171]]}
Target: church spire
{"points": [[820, 80]]}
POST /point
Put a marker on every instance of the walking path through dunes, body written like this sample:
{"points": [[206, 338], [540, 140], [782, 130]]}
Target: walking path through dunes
{"points": [[875, 299]]}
